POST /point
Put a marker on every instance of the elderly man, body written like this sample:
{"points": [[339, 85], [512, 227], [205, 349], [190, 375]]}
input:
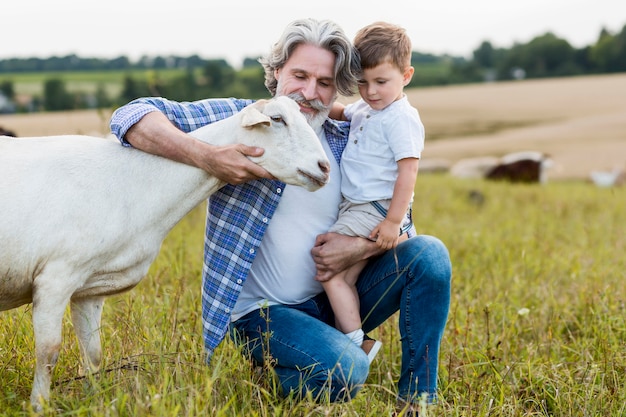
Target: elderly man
{"points": [[266, 249]]}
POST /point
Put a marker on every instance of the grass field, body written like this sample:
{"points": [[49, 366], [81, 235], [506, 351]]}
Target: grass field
{"points": [[31, 83], [536, 328], [537, 325]]}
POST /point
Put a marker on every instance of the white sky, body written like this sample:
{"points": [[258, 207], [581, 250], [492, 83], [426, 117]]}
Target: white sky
{"points": [[235, 29]]}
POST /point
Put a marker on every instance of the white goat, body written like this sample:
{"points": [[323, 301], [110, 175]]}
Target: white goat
{"points": [[84, 218]]}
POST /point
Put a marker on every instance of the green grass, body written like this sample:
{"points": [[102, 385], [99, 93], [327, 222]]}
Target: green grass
{"points": [[31, 83], [536, 328]]}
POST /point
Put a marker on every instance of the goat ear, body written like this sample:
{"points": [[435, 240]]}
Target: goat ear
{"points": [[253, 117]]}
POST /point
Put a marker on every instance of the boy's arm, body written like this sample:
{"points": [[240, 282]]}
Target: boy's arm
{"points": [[387, 231], [336, 112]]}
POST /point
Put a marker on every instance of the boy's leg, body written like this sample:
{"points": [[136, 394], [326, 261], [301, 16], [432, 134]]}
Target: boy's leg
{"points": [[344, 299], [414, 279]]}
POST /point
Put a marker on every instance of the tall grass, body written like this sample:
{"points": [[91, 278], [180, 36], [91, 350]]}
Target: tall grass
{"points": [[536, 328]]}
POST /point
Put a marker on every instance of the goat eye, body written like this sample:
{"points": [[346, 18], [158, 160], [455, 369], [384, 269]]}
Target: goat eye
{"points": [[277, 119]]}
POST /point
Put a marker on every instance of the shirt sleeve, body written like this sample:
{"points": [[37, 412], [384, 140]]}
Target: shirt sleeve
{"points": [[348, 111], [405, 135], [186, 116]]}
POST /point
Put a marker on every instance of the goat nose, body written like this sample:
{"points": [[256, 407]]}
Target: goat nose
{"points": [[324, 166]]}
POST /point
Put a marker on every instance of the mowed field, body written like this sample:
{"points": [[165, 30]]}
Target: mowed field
{"points": [[579, 121]]}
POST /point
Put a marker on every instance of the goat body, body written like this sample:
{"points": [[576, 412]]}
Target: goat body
{"points": [[84, 218], [522, 167]]}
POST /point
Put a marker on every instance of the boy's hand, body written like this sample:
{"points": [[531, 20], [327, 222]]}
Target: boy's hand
{"points": [[386, 234]]}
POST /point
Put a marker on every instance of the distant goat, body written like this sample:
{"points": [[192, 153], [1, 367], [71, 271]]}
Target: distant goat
{"points": [[526, 166], [615, 177], [84, 218]]}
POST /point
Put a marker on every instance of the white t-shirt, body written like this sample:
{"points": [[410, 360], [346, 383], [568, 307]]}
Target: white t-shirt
{"points": [[378, 139], [283, 270]]}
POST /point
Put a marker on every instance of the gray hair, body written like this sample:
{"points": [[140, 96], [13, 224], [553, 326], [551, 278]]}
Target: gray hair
{"points": [[324, 34]]}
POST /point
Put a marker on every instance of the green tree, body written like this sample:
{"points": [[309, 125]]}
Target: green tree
{"points": [[609, 53], [8, 89], [252, 80], [484, 56], [218, 76], [133, 89], [101, 97], [56, 96], [183, 88], [544, 56]]}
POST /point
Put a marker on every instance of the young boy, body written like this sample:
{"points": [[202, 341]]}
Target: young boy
{"points": [[379, 164]]}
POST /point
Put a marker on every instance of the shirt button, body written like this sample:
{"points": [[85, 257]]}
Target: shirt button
{"points": [[251, 251], [279, 190], [265, 220], [239, 281], [227, 310]]}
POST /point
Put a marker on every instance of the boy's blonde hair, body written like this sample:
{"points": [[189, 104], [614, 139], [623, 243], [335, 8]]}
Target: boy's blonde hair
{"points": [[382, 42]]}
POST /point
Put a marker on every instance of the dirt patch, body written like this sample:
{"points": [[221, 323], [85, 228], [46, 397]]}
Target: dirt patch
{"points": [[579, 121], [79, 122]]}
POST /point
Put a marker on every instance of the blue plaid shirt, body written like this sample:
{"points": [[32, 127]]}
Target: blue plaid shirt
{"points": [[237, 216]]}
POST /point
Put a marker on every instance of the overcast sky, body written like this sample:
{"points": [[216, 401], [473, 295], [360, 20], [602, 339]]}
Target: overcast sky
{"points": [[235, 29]]}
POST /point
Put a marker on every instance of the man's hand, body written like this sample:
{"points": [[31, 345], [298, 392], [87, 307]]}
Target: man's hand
{"points": [[230, 163], [155, 134], [334, 253]]}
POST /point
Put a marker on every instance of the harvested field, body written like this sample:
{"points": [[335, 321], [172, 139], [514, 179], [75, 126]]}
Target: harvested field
{"points": [[80, 122], [579, 121]]}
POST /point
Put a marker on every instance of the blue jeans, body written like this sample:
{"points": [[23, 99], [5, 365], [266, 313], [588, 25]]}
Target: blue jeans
{"points": [[310, 356]]}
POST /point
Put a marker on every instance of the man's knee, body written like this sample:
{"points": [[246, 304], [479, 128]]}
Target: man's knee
{"points": [[428, 256]]}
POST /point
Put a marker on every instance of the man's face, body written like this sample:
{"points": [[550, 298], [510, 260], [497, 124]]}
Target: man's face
{"points": [[308, 78]]}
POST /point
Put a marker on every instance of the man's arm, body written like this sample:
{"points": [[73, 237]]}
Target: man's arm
{"points": [[334, 253], [155, 134], [336, 112]]}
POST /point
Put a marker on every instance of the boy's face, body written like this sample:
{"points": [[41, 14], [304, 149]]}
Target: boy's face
{"points": [[382, 85]]}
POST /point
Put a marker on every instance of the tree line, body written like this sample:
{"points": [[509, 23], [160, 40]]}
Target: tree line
{"points": [[546, 55]]}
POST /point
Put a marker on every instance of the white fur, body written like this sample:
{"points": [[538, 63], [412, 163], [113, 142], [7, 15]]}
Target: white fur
{"points": [[475, 167], [83, 217]]}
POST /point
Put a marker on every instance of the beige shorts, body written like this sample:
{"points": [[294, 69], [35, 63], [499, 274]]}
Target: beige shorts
{"points": [[359, 219]]}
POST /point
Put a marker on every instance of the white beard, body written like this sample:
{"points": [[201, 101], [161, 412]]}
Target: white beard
{"points": [[315, 120]]}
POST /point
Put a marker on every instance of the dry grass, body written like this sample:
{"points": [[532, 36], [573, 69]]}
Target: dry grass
{"points": [[81, 122], [579, 121]]}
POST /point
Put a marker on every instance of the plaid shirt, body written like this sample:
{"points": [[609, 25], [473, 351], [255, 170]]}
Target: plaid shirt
{"points": [[237, 215]]}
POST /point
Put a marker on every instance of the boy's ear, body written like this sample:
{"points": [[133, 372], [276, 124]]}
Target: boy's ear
{"points": [[408, 75]]}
